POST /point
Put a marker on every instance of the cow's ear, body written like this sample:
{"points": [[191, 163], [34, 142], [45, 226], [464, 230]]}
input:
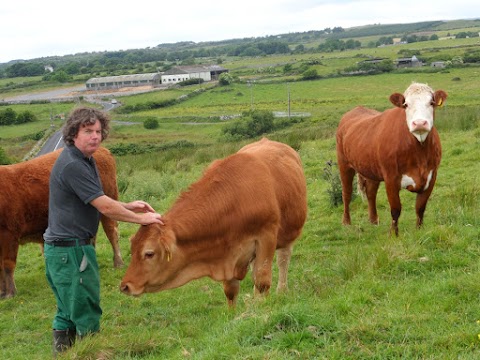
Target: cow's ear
{"points": [[398, 100], [439, 97]]}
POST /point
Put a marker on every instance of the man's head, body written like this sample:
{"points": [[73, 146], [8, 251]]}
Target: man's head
{"points": [[86, 128]]}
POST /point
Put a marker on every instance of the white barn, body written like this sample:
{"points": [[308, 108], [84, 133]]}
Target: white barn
{"points": [[181, 73]]}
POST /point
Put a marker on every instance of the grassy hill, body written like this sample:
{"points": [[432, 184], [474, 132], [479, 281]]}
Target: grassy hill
{"points": [[355, 292]]}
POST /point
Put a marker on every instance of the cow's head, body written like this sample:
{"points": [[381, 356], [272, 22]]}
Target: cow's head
{"points": [[419, 102], [153, 260]]}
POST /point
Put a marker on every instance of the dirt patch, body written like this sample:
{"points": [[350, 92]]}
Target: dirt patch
{"points": [[107, 92]]}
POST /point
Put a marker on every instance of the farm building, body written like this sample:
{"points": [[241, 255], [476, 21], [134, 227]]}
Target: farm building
{"points": [[408, 62], [114, 82], [372, 61], [181, 73], [438, 64]]}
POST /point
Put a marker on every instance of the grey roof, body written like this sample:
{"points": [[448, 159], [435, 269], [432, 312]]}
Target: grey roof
{"points": [[192, 69], [122, 78]]}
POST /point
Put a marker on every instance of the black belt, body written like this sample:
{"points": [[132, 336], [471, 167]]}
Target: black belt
{"points": [[69, 242]]}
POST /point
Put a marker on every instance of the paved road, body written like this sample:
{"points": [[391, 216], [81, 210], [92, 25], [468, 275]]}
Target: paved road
{"points": [[57, 94]]}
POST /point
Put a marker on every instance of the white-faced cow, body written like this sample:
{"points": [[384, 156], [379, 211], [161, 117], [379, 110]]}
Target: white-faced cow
{"points": [[399, 146], [24, 209], [244, 208]]}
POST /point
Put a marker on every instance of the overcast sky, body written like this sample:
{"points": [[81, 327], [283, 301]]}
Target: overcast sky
{"points": [[31, 28]]}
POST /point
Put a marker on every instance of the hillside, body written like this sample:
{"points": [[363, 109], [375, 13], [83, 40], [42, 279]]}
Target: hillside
{"points": [[228, 47]]}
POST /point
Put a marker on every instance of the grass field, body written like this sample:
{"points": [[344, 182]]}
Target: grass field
{"points": [[354, 292]]}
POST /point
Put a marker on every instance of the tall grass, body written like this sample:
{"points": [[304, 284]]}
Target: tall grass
{"points": [[355, 292]]}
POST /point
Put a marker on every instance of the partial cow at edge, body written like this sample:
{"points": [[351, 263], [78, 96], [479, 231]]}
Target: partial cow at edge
{"points": [[399, 146], [243, 209], [24, 209]]}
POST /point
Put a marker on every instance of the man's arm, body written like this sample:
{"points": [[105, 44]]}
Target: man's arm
{"points": [[137, 212]]}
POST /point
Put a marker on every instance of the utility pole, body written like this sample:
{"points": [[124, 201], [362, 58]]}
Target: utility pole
{"points": [[250, 85], [288, 90]]}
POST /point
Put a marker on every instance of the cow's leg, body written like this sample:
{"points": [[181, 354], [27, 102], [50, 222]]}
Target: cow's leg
{"points": [[371, 189], [8, 259], [346, 176], [421, 202], [262, 265], [231, 289], [283, 260], [111, 230], [393, 194]]}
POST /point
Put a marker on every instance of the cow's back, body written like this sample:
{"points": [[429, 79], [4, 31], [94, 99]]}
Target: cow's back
{"points": [[25, 192], [24, 199], [289, 184]]}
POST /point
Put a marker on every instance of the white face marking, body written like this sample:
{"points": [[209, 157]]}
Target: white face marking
{"points": [[429, 178], [419, 110], [406, 181]]}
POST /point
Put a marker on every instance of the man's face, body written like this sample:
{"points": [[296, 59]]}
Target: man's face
{"points": [[89, 138]]}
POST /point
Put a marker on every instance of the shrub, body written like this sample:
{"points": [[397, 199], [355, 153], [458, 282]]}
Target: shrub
{"points": [[252, 123], [150, 123], [8, 116], [310, 74], [193, 81], [3, 157], [225, 79], [25, 117]]}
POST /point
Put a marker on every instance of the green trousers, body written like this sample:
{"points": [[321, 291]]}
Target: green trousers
{"points": [[73, 275]]}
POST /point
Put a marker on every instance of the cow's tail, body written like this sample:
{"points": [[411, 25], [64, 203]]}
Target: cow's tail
{"points": [[362, 186]]}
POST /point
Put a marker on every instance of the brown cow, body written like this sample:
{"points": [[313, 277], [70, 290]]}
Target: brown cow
{"points": [[399, 146], [244, 208], [24, 209]]}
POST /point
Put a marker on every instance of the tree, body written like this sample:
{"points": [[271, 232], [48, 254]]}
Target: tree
{"points": [[299, 49]]}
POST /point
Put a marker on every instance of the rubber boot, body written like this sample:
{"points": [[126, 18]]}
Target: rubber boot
{"points": [[62, 340]]}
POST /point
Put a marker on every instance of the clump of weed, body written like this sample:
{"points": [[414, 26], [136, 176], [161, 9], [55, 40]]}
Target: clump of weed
{"points": [[332, 176]]}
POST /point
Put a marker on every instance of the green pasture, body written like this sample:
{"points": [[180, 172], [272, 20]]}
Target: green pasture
{"points": [[324, 99], [355, 292]]}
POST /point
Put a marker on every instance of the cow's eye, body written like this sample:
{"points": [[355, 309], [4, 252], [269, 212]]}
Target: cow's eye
{"points": [[405, 105], [149, 254]]}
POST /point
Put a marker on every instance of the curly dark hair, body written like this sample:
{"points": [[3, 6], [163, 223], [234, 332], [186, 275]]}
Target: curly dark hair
{"points": [[84, 116]]}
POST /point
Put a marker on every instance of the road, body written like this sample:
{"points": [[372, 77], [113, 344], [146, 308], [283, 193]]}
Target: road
{"points": [[73, 93], [56, 142]]}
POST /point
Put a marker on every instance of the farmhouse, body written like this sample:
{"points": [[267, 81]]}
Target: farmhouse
{"points": [[115, 82], [181, 73]]}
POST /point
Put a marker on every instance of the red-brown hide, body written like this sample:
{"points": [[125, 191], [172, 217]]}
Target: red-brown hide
{"points": [[385, 146], [24, 209], [244, 208]]}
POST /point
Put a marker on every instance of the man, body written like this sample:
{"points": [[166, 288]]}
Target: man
{"points": [[75, 203]]}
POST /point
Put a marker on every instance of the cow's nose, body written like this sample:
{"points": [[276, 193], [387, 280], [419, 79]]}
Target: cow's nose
{"points": [[125, 288], [420, 125]]}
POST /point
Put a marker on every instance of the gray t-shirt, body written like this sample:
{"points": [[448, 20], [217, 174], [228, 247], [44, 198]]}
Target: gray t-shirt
{"points": [[74, 182]]}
